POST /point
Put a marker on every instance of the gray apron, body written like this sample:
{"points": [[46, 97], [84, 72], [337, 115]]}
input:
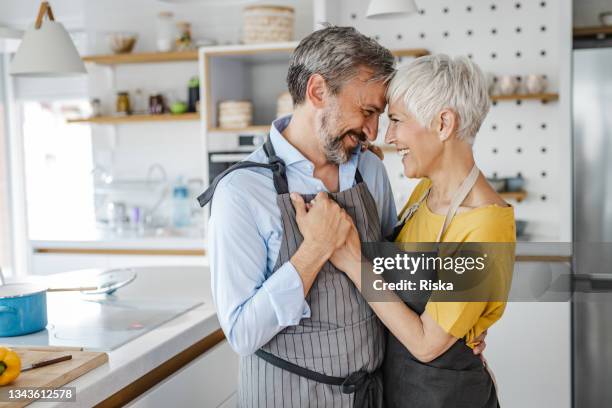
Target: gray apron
{"points": [[457, 378], [332, 358]]}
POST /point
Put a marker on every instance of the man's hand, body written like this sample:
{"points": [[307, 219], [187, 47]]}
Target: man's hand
{"points": [[324, 227]]}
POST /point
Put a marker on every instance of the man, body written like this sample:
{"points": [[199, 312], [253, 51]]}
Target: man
{"points": [[305, 335]]}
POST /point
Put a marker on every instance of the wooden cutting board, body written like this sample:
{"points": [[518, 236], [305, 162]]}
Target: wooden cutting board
{"points": [[54, 375]]}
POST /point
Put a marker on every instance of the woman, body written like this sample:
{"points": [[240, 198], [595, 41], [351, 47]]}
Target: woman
{"points": [[436, 106]]}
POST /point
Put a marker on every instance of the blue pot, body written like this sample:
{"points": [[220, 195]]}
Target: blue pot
{"points": [[23, 309]]}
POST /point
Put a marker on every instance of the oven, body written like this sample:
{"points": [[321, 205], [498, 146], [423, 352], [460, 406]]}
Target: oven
{"points": [[224, 150]]}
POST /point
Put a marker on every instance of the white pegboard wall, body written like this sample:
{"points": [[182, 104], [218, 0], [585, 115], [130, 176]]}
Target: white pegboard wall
{"points": [[505, 38]]}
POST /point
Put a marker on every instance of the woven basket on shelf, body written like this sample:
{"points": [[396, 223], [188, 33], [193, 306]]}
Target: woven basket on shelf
{"points": [[235, 114], [264, 24]]}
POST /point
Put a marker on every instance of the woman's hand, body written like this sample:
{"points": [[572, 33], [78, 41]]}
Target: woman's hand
{"points": [[322, 222], [347, 257]]}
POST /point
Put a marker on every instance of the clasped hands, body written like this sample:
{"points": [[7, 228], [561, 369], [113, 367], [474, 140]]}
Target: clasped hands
{"points": [[328, 227]]}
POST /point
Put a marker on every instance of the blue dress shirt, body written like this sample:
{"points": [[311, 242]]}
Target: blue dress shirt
{"points": [[245, 232]]}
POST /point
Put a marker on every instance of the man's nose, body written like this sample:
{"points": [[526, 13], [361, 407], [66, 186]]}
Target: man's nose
{"points": [[370, 128]]}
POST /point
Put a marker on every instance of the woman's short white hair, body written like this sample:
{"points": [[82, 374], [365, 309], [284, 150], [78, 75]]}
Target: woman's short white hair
{"points": [[432, 83]]}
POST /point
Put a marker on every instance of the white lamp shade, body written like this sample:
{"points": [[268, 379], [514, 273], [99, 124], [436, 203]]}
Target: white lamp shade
{"points": [[384, 9], [47, 52]]}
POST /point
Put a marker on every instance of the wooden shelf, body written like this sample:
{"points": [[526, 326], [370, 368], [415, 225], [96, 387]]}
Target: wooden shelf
{"points": [[517, 196], [250, 129], [142, 57], [544, 97], [592, 31], [154, 57], [410, 52], [110, 120]]}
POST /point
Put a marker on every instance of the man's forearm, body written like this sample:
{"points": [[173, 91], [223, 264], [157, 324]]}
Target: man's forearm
{"points": [[308, 261]]}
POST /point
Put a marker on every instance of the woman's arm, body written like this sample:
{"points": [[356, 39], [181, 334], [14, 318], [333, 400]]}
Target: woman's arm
{"points": [[421, 335]]}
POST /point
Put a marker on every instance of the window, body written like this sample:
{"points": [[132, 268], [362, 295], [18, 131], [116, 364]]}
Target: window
{"points": [[58, 165]]}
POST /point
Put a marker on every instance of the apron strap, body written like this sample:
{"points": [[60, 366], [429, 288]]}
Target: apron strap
{"points": [[207, 195], [275, 163], [367, 387], [459, 198], [279, 173], [464, 189], [358, 178]]}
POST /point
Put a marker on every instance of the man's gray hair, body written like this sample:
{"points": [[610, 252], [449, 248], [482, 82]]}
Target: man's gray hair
{"points": [[432, 83], [337, 54]]}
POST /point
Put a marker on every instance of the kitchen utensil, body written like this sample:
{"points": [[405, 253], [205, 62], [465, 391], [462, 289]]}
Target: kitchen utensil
{"points": [[106, 282], [122, 43], [23, 306], [521, 225], [57, 375], [193, 92], [515, 184], [498, 184], [116, 214], [23, 309], [508, 84], [606, 18], [123, 103], [535, 83], [264, 24], [165, 31], [96, 107], [178, 107], [46, 362], [184, 40], [156, 104]]}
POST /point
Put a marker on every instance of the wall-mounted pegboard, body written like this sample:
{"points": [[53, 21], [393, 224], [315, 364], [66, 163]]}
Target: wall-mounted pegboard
{"points": [[525, 137]]}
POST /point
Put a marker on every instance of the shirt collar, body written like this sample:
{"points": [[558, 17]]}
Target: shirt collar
{"points": [[291, 155], [282, 147]]}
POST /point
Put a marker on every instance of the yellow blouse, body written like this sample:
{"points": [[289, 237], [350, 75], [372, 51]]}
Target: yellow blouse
{"points": [[486, 224]]}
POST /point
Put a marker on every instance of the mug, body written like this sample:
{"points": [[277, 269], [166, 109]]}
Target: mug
{"points": [[535, 83]]}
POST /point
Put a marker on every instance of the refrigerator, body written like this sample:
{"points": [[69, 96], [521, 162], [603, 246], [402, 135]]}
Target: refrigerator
{"points": [[592, 186]]}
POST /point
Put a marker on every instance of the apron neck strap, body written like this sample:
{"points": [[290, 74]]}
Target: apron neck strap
{"points": [[458, 199], [279, 174]]}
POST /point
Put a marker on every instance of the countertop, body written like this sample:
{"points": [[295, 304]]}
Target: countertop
{"points": [[136, 358], [162, 239]]}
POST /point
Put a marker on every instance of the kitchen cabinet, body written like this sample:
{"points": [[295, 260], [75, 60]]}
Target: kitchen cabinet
{"points": [[209, 381], [529, 351]]}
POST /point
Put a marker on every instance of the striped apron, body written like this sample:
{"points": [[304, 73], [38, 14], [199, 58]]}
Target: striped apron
{"points": [[332, 358]]}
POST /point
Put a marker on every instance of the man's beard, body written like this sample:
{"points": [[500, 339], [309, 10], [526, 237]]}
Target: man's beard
{"points": [[332, 143]]}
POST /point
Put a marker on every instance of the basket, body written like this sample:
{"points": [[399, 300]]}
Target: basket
{"points": [[266, 24], [235, 114]]}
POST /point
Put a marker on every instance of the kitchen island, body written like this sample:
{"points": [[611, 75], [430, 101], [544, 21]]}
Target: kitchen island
{"points": [[185, 358]]}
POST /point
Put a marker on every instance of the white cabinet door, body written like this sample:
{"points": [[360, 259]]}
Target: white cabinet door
{"points": [[529, 351], [209, 381]]}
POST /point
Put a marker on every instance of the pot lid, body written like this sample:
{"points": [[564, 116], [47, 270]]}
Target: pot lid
{"points": [[13, 290]]}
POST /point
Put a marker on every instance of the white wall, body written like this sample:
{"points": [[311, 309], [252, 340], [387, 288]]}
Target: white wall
{"points": [[586, 12], [541, 155]]}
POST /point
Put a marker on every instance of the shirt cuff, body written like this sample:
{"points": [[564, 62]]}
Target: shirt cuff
{"points": [[286, 294]]}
